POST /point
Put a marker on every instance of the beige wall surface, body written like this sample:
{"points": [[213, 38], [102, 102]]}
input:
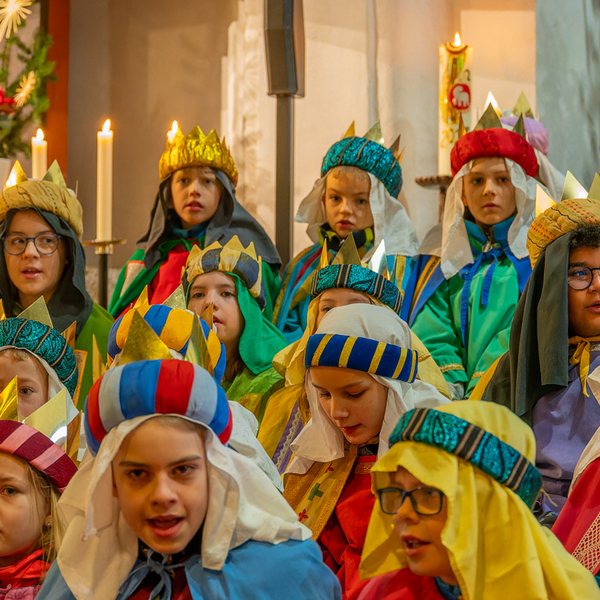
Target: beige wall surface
{"points": [[141, 63]]}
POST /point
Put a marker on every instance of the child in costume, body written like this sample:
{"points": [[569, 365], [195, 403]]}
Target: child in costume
{"points": [[554, 342], [477, 253], [41, 360], [34, 471], [345, 281], [179, 335], [230, 278], [360, 378], [455, 494], [356, 195], [165, 509], [195, 206], [41, 229]]}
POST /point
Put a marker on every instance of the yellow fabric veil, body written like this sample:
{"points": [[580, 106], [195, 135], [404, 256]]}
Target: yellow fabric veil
{"points": [[497, 548]]}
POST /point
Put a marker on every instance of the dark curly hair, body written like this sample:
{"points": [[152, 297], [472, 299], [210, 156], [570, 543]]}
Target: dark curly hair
{"points": [[586, 235]]}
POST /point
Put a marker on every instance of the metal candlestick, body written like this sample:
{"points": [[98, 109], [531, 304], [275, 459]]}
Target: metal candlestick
{"points": [[103, 249], [440, 182]]}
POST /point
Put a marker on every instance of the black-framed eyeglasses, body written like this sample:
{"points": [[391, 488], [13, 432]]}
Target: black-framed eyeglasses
{"points": [[45, 243], [580, 277], [425, 501]]}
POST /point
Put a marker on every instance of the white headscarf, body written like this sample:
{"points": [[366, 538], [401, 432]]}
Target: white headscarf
{"points": [[390, 220], [99, 548], [321, 440], [449, 239]]}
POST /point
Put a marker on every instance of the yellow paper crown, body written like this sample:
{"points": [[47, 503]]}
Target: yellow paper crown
{"points": [[230, 258], [197, 150], [51, 194]]}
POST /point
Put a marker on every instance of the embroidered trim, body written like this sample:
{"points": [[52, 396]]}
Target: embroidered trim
{"points": [[477, 375], [451, 367], [587, 551], [473, 444]]}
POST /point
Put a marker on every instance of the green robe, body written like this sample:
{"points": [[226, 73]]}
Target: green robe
{"points": [[98, 325], [438, 323]]}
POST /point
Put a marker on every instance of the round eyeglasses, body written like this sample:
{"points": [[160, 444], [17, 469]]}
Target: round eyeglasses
{"points": [[425, 501], [45, 243], [580, 277]]}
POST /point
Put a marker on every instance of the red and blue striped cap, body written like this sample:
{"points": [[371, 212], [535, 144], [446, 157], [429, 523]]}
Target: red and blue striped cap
{"points": [[151, 387]]}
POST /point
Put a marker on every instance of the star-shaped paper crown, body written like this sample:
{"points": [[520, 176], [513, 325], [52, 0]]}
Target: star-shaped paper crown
{"points": [[197, 150], [231, 258], [50, 194], [369, 154]]}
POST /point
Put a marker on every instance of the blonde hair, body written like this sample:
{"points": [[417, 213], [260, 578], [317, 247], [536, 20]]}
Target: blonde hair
{"points": [[16, 354], [181, 424], [349, 170], [46, 497]]}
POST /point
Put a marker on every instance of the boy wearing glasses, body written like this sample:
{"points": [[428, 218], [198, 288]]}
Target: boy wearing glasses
{"points": [[360, 379], [555, 344], [41, 228], [454, 516]]}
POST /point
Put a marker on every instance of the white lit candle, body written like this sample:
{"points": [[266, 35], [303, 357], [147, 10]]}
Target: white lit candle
{"points": [[39, 155], [171, 133], [454, 97], [104, 184]]}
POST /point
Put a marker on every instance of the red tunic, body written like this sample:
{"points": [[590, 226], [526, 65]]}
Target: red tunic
{"points": [[400, 585], [168, 277], [343, 537]]}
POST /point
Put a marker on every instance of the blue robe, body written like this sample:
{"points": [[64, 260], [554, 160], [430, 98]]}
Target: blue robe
{"points": [[292, 570]]}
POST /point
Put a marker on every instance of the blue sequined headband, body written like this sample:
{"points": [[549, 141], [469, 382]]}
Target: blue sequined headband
{"points": [[473, 444], [361, 354], [45, 342], [360, 279], [368, 156]]}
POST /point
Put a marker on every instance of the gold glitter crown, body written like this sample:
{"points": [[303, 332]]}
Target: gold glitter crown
{"points": [[197, 150]]}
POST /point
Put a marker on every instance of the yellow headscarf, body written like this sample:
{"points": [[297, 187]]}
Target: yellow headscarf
{"points": [[496, 546]]}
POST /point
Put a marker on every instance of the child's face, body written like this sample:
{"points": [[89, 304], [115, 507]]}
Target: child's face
{"points": [[196, 193], [22, 513], [218, 288], [421, 536], [160, 477], [32, 381], [584, 305], [34, 274], [339, 297], [353, 400], [488, 191], [346, 201]]}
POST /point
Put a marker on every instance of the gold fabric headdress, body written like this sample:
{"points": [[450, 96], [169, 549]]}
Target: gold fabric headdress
{"points": [[230, 258], [562, 217], [197, 150], [50, 194]]}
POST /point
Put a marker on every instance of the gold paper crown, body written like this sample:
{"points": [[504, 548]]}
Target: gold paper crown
{"points": [[232, 258], [197, 150], [346, 255], [375, 135], [50, 194]]}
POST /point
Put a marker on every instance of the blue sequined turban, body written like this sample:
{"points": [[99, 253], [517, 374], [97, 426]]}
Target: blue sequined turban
{"points": [[45, 342], [368, 156], [361, 354], [473, 444], [355, 277]]}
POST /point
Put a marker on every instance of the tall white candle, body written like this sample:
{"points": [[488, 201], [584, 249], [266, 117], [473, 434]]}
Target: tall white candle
{"points": [[455, 97], [39, 155], [104, 184]]}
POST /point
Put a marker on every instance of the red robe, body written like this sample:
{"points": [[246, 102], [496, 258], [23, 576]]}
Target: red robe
{"points": [[343, 537], [578, 525], [401, 585]]}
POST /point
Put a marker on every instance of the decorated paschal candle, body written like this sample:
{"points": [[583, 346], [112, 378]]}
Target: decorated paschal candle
{"points": [[455, 97]]}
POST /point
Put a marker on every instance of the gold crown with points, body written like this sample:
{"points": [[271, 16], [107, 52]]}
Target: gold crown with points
{"points": [[197, 150]]}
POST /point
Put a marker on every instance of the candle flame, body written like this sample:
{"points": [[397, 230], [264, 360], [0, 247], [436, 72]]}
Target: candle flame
{"points": [[491, 100], [39, 136], [457, 40], [172, 131], [106, 126]]}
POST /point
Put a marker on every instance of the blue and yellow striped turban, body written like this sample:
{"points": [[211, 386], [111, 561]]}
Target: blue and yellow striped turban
{"points": [[361, 354], [173, 326]]}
